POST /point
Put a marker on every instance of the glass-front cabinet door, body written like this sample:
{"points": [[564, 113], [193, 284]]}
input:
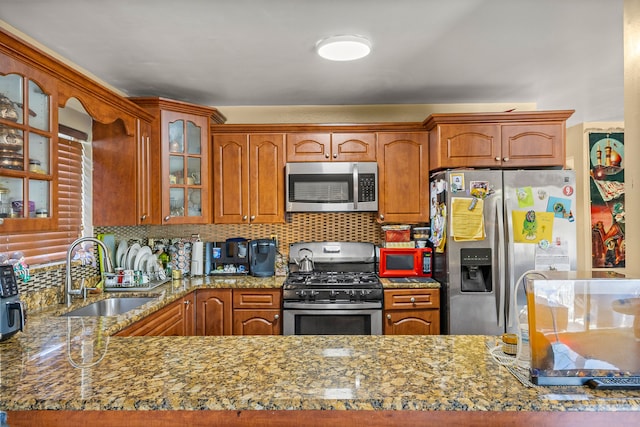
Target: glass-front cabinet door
{"points": [[185, 143], [27, 158]]}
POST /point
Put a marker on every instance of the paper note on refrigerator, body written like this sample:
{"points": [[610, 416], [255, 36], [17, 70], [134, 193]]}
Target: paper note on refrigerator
{"points": [[532, 226], [467, 219]]}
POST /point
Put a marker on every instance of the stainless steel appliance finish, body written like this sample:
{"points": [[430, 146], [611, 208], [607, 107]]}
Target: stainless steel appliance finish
{"points": [[12, 312], [479, 276], [342, 296], [331, 186]]}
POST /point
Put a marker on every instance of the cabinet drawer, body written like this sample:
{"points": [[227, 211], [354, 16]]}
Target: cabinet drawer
{"points": [[411, 298], [257, 298]]}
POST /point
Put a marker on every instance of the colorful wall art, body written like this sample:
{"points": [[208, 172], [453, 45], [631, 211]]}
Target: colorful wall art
{"points": [[606, 154]]}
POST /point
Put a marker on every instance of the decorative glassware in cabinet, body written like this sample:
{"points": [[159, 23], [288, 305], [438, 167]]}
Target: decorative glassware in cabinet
{"points": [[11, 99], [176, 201], [176, 136], [194, 136], [25, 149], [195, 206]]}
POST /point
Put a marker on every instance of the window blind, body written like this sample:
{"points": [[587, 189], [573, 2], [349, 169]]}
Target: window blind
{"points": [[48, 246]]}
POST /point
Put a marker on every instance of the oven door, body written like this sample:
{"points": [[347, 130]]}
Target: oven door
{"points": [[332, 319]]}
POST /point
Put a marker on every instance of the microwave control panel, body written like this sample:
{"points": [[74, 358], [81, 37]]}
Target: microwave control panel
{"points": [[366, 187]]}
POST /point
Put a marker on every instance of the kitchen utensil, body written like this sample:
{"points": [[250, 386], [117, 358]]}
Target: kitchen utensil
{"points": [[305, 265]]}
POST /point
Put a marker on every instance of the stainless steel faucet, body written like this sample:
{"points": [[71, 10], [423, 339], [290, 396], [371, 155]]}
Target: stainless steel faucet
{"points": [[68, 291]]}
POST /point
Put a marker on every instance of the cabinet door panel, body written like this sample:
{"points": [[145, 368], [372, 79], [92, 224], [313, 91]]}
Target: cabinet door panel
{"points": [[214, 312], [411, 298], [230, 178], [114, 167], [257, 298], [144, 202], [266, 168], [403, 177], [412, 322], [172, 320], [308, 147], [257, 322], [533, 145], [353, 147], [184, 141], [468, 146]]}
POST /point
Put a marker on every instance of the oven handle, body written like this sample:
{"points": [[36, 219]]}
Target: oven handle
{"points": [[319, 306]]}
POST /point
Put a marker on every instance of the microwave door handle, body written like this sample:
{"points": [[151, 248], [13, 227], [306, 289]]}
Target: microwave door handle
{"points": [[355, 186]]}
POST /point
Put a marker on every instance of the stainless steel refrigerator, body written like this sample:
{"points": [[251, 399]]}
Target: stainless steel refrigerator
{"points": [[488, 227]]}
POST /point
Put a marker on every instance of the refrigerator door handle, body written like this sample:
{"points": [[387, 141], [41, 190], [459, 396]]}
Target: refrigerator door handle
{"points": [[502, 303]]}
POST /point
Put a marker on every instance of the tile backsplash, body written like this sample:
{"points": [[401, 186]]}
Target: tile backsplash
{"points": [[298, 227]]}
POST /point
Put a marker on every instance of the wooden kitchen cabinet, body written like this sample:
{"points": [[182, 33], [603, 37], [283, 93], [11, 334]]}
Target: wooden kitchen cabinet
{"points": [[28, 134], [179, 160], [403, 177], [248, 178], [497, 140], [176, 319], [214, 312], [335, 146], [257, 312], [121, 161], [411, 311]]}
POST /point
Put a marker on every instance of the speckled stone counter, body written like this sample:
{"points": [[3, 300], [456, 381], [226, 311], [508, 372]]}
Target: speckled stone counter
{"points": [[71, 364]]}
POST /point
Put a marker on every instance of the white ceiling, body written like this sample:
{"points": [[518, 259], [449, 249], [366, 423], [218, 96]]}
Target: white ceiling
{"points": [[559, 54]]}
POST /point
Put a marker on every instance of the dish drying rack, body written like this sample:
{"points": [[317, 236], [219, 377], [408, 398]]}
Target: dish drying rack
{"points": [[137, 282]]}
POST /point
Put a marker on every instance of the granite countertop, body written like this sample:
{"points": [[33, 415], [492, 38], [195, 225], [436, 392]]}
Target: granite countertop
{"points": [[61, 363]]}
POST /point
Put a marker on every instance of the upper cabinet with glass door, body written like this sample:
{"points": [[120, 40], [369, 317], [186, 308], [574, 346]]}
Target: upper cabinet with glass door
{"points": [[181, 134], [27, 157]]}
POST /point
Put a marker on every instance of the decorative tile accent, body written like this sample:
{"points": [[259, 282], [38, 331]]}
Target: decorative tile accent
{"points": [[298, 227]]}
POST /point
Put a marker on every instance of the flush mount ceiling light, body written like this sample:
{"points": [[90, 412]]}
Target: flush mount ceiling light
{"points": [[343, 48]]}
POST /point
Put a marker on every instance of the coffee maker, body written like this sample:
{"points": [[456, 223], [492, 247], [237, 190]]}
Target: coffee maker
{"points": [[262, 257], [11, 308]]}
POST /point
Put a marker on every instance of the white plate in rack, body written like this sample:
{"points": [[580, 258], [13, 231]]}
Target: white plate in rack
{"points": [[131, 256], [142, 253], [121, 252]]}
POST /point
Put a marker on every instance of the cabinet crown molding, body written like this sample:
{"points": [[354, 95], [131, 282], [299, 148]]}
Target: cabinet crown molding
{"points": [[502, 117]]}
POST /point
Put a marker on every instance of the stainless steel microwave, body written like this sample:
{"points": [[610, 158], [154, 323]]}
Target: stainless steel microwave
{"points": [[332, 186]]}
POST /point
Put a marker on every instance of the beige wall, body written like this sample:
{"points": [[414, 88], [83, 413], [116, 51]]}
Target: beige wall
{"points": [[632, 134], [357, 113]]}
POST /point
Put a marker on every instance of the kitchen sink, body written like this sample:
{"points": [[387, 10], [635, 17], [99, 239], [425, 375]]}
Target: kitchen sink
{"points": [[110, 306]]}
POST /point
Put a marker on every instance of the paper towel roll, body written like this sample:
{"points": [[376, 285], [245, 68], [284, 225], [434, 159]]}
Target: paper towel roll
{"points": [[197, 259]]}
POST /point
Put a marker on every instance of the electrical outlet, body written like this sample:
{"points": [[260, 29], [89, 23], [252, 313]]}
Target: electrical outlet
{"points": [[274, 237]]}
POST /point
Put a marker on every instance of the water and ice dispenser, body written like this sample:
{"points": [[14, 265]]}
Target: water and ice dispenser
{"points": [[475, 270]]}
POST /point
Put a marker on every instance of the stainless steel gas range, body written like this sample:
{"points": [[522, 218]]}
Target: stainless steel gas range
{"points": [[336, 292]]}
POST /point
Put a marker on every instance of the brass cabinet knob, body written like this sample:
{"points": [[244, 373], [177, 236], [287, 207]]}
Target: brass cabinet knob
{"points": [[166, 218], [497, 159], [143, 217], [253, 217], [326, 156], [335, 155], [505, 159], [382, 216], [244, 218], [277, 316], [413, 300], [389, 316]]}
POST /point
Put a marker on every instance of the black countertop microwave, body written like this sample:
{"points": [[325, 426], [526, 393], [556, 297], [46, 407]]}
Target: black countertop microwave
{"points": [[332, 186]]}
